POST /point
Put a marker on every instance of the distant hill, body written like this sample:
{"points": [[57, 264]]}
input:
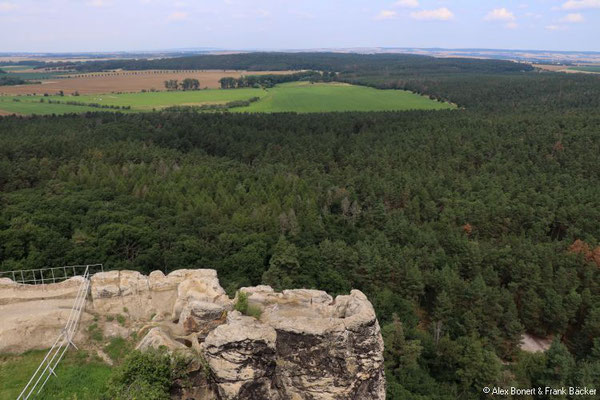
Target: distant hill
{"points": [[322, 61]]}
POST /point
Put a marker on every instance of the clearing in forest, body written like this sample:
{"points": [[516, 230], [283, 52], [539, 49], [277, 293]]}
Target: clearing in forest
{"points": [[305, 97], [301, 97]]}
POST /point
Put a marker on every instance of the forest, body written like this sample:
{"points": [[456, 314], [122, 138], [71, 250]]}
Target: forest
{"points": [[6, 80], [408, 64], [466, 228]]}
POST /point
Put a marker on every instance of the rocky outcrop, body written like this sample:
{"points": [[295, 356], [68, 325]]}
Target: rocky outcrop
{"points": [[157, 338], [304, 345], [32, 316], [326, 349], [145, 297], [242, 356]]}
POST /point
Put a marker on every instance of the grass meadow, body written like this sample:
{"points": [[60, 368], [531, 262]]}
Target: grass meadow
{"points": [[304, 97], [301, 97], [79, 376], [588, 68]]}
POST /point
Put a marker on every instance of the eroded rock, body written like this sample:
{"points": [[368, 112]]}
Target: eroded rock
{"points": [[241, 354], [158, 338], [305, 344]]}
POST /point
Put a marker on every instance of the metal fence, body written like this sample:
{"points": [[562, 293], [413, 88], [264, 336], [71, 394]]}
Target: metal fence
{"points": [[47, 367], [43, 276]]}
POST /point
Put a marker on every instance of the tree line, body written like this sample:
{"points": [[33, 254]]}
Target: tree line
{"points": [[318, 61], [270, 80], [186, 84]]}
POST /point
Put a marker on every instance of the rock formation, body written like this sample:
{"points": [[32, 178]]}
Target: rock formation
{"points": [[304, 345]]}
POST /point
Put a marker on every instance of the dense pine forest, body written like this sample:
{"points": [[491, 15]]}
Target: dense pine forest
{"points": [[407, 64], [466, 228]]}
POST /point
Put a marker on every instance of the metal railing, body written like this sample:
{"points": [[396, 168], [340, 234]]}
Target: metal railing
{"points": [[43, 276], [47, 367]]}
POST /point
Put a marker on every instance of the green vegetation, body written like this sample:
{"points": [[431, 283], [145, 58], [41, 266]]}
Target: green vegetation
{"points": [[9, 80], [328, 97], [408, 64], [294, 97], [27, 105], [242, 306], [148, 375], [145, 375], [136, 101], [79, 376], [118, 348], [464, 227], [95, 332], [587, 68], [15, 75]]}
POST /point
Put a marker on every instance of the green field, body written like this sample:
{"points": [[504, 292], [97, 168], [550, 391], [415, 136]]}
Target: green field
{"points": [[589, 68], [292, 97], [31, 105], [79, 376], [327, 97], [16, 71]]}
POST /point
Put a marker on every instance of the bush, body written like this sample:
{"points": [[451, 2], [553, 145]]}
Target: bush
{"points": [[242, 306], [95, 332], [145, 375], [117, 349]]}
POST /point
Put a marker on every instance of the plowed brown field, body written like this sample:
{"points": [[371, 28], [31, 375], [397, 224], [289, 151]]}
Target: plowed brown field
{"points": [[125, 81]]}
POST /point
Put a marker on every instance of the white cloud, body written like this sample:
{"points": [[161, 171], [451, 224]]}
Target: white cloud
{"points": [[177, 16], [407, 3], [386, 14], [500, 14], [580, 4], [511, 25], [6, 6], [439, 14], [573, 18], [556, 27]]}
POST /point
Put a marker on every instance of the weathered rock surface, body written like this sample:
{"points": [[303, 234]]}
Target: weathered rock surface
{"points": [[32, 316], [146, 296], [158, 338], [305, 345], [242, 355]]}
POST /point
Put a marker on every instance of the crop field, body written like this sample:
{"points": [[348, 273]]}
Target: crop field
{"points": [[136, 101], [292, 97], [36, 75], [330, 97], [116, 81], [588, 68]]}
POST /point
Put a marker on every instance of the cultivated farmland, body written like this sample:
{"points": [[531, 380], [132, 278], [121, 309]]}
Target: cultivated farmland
{"points": [[133, 101], [292, 97], [329, 97], [121, 81]]}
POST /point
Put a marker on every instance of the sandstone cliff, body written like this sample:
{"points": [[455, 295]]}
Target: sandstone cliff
{"points": [[304, 345]]}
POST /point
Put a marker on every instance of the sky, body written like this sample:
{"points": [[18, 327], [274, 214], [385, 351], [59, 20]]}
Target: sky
{"points": [[129, 25]]}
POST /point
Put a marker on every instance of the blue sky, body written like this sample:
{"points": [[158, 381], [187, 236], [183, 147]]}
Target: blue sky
{"points": [[107, 25]]}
